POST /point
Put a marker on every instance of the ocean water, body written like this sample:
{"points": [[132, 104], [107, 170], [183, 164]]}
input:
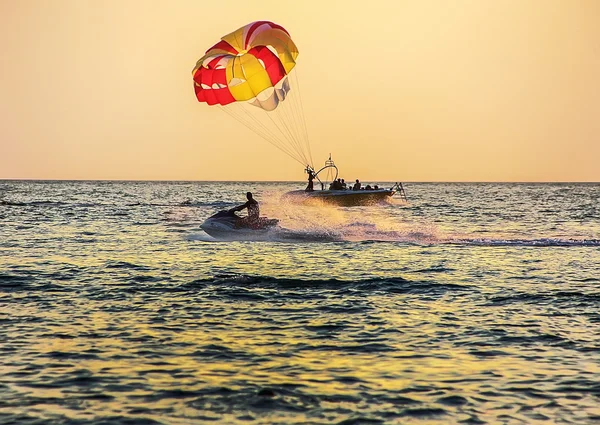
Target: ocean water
{"points": [[471, 304]]}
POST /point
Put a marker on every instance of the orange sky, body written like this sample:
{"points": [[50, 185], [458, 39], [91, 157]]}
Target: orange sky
{"points": [[467, 90]]}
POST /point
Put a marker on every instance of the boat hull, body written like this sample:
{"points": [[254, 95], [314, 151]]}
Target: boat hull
{"points": [[345, 198]]}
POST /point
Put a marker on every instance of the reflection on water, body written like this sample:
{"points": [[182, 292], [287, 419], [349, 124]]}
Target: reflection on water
{"points": [[472, 304]]}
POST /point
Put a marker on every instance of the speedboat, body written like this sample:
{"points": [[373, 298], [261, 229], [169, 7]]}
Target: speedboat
{"points": [[227, 224], [345, 198], [342, 197]]}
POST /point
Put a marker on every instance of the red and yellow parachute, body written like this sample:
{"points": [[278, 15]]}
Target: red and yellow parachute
{"points": [[249, 64], [253, 66]]}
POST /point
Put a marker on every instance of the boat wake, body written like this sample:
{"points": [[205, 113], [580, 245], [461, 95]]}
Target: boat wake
{"points": [[385, 224], [408, 238], [538, 242]]}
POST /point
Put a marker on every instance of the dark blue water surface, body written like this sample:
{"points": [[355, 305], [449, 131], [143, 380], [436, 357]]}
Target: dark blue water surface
{"points": [[471, 303]]}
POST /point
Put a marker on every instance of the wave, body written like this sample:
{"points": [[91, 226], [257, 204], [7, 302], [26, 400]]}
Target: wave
{"points": [[186, 203], [214, 204], [46, 203], [554, 297], [236, 288], [125, 265], [397, 285], [32, 203], [541, 242]]}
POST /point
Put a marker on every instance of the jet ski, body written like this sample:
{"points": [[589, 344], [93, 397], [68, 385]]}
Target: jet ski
{"points": [[227, 224]]}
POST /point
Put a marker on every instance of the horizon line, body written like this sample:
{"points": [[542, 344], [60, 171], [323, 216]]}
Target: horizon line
{"points": [[293, 181]]}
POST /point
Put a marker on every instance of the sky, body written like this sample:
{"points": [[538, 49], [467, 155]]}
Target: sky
{"points": [[427, 90]]}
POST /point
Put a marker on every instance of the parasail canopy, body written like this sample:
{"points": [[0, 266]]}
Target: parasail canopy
{"points": [[253, 66], [250, 63]]}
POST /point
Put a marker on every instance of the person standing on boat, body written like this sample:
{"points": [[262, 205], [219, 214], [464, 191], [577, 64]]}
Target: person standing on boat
{"points": [[311, 177], [253, 210], [356, 185]]}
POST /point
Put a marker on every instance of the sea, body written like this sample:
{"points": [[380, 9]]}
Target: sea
{"points": [[471, 303]]}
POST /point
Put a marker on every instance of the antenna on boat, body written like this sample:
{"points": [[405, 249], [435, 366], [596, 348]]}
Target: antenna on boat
{"points": [[329, 162]]}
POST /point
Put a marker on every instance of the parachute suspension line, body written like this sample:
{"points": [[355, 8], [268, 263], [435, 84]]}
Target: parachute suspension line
{"points": [[287, 130], [260, 129], [273, 137], [288, 122], [278, 128], [301, 108], [261, 132], [283, 124], [284, 139], [277, 141], [287, 119], [295, 112], [292, 117], [256, 126], [293, 108]]}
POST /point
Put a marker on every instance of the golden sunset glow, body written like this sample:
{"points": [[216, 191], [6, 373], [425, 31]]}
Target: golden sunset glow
{"points": [[395, 90]]}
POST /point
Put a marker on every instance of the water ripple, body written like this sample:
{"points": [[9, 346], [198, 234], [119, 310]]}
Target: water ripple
{"points": [[472, 304]]}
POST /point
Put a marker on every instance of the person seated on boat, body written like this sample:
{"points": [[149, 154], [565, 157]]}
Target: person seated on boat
{"points": [[335, 185], [356, 185], [368, 187], [311, 177], [344, 185], [253, 211], [376, 187]]}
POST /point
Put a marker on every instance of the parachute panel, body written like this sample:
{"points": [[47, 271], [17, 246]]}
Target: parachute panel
{"points": [[235, 39], [270, 62]]}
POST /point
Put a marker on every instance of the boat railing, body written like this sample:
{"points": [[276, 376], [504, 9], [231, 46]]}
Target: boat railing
{"points": [[399, 189]]}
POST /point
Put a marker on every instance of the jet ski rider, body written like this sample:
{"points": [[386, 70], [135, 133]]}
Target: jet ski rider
{"points": [[253, 211]]}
